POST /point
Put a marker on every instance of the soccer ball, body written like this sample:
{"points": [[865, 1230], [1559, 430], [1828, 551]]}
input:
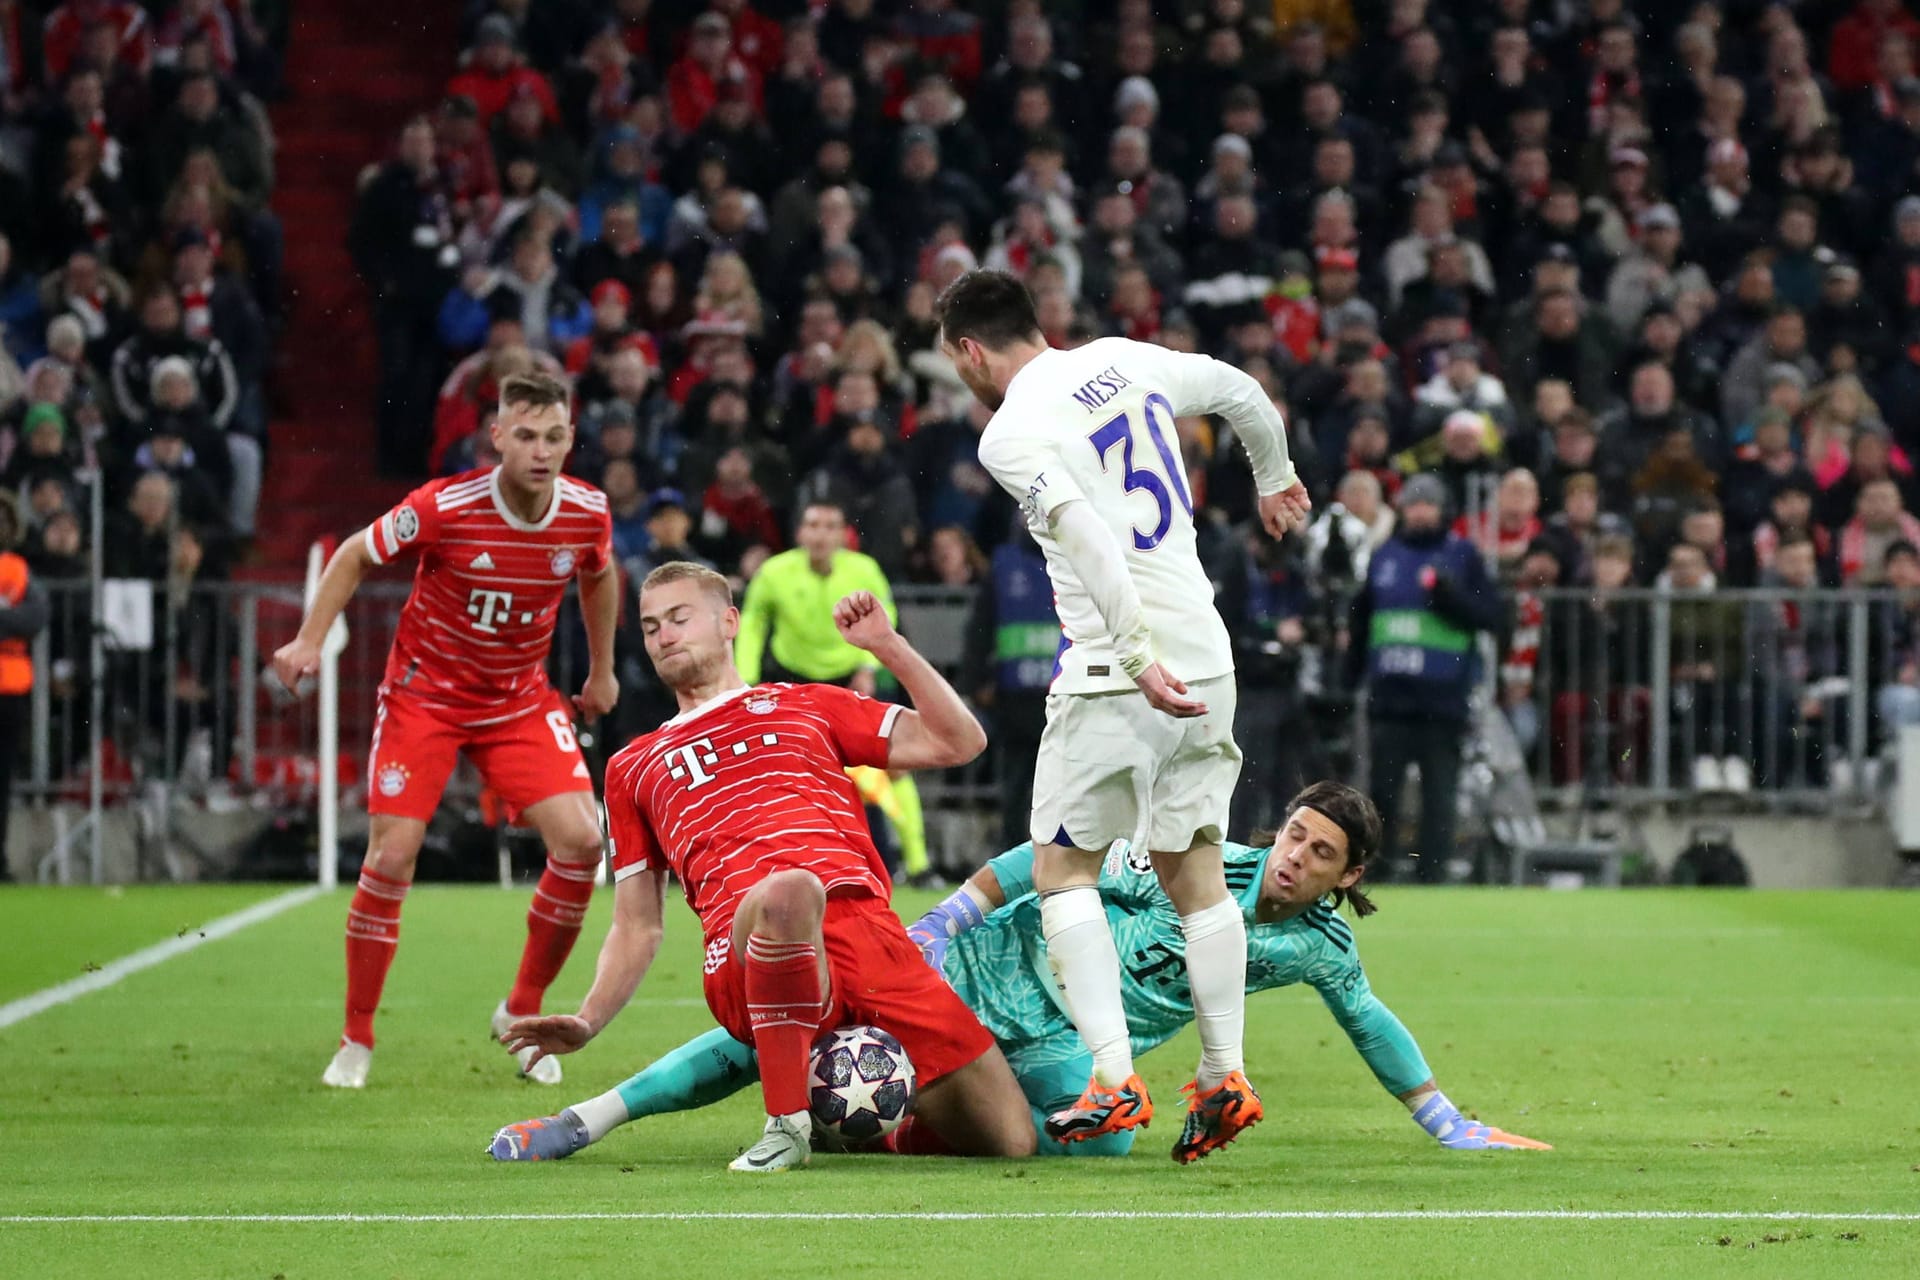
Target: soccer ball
{"points": [[860, 1085]]}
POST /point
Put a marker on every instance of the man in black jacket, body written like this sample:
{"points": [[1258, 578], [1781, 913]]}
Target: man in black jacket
{"points": [[402, 244], [1414, 629]]}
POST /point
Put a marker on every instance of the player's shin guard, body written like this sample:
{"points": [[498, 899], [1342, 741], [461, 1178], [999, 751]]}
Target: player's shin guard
{"points": [[1217, 972], [553, 924], [373, 931], [784, 1002], [1080, 949]]}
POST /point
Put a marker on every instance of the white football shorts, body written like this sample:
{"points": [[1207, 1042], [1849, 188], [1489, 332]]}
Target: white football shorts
{"points": [[1111, 767]]}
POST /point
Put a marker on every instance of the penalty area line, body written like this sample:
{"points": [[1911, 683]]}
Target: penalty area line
{"points": [[1110, 1215], [147, 957]]}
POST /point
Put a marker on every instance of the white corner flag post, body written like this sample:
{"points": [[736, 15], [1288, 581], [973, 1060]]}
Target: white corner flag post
{"points": [[329, 717]]}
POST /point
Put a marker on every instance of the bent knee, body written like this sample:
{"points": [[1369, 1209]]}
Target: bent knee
{"points": [[580, 844], [392, 859], [791, 897], [1015, 1142]]}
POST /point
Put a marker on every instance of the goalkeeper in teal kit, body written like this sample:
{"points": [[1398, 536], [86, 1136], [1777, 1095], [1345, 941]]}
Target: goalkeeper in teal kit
{"points": [[986, 941]]}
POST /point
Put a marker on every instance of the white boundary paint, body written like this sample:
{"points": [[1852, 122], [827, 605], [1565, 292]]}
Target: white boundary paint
{"points": [[1120, 1215], [160, 952]]}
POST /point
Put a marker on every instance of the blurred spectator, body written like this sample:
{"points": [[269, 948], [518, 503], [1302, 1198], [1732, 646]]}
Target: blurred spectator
{"points": [[784, 634], [1413, 625], [735, 514], [1709, 712], [1012, 640], [162, 335], [551, 312], [864, 477], [495, 71], [24, 612], [402, 241], [667, 532], [1880, 520]]}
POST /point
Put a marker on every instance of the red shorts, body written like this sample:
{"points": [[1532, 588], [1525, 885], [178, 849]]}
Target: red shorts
{"points": [[877, 978], [524, 760]]}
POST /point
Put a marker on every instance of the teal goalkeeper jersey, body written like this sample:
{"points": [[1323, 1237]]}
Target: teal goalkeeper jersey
{"points": [[1000, 967]]}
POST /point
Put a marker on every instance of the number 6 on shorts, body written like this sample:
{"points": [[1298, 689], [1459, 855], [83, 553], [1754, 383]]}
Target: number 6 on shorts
{"points": [[562, 725]]}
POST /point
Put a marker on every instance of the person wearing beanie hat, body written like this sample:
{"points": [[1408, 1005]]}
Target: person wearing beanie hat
{"points": [[1414, 623]]}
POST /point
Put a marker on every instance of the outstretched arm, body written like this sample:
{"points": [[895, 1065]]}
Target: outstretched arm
{"points": [[1007, 877], [299, 658], [1396, 1062], [625, 957]]}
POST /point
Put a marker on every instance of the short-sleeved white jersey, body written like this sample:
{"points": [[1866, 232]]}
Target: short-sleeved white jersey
{"points": [[1097, 423]]}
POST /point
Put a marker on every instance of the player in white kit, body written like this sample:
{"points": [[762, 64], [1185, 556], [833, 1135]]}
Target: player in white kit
{"points": [[1139, 735]]}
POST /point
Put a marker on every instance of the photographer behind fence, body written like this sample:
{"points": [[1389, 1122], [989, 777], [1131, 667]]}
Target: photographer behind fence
{"points": [[1427, 593]]}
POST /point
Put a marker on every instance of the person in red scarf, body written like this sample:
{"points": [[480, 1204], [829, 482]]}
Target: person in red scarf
{"points": [[693, 82], [757, 39], [1854, 50], [612, 333], [495, 72], [206, 20], [1511, 526], [67, 26], [734, 512], [1615, 74], [1134, 309], [1880, 520]]}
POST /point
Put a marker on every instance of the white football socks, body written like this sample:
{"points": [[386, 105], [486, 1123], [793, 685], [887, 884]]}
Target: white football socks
{"points": [[602, 1115], [1081, 952], [1217, 974]]}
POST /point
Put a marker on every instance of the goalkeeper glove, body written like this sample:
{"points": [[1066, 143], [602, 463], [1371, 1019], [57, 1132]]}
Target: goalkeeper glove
{"points": [[1439, 1117], [936, 930]]}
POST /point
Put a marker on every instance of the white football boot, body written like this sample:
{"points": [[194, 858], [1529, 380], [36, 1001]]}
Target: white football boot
{"points": [[545, 1071], [348, 1070], [786, 1144]]}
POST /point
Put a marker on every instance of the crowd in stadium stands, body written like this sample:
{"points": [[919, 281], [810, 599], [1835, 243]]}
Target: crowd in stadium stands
{"points": [[139, 277], [1637, 282]]}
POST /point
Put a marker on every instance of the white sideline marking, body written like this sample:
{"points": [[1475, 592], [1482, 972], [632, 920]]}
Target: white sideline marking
{"points": [[1143, 1215], [147, 957]]}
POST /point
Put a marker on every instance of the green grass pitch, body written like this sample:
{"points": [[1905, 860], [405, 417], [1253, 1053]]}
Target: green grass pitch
{"points": [[1734, 1054]]}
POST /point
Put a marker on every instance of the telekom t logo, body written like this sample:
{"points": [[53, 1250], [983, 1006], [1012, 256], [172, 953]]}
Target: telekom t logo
{"points": [[690, 763], [489, 609]]}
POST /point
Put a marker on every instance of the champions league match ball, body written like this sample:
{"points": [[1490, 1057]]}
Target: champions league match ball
{"points": [[860, 1085]]}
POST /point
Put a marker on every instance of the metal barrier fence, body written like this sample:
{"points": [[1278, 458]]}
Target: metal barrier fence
{"points": [[1772, 694], [189, 721], [1639, 695]]}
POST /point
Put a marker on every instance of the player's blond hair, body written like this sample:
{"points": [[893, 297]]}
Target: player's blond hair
{"points": [[535, 389], [672, 571]]}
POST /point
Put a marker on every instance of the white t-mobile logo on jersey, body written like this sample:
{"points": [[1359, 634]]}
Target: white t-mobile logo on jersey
{"points": [[688, 762], [693, 760], [489, 608]]}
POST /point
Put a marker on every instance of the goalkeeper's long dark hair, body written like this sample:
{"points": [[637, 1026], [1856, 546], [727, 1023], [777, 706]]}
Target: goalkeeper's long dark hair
{"points": [[1351, 811]]}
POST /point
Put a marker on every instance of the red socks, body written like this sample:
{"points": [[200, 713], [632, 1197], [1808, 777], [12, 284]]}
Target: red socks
{"points": [[373, 930], [553, 924], [784, 1003], [915, 1137]]}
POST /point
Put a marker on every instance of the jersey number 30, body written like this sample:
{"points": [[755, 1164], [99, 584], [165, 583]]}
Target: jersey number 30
{"points": [[1144, 479]]}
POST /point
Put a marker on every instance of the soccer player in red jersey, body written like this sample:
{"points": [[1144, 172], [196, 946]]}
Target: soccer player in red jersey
{"points": [[467, 672], [744, 796]]}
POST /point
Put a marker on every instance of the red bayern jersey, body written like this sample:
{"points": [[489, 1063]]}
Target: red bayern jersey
{"points": [[753, 781], [474, 635]]}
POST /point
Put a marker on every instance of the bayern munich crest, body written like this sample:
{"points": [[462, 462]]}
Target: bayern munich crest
{"points": [[562, 562], [761, 702], [392, 780]]}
